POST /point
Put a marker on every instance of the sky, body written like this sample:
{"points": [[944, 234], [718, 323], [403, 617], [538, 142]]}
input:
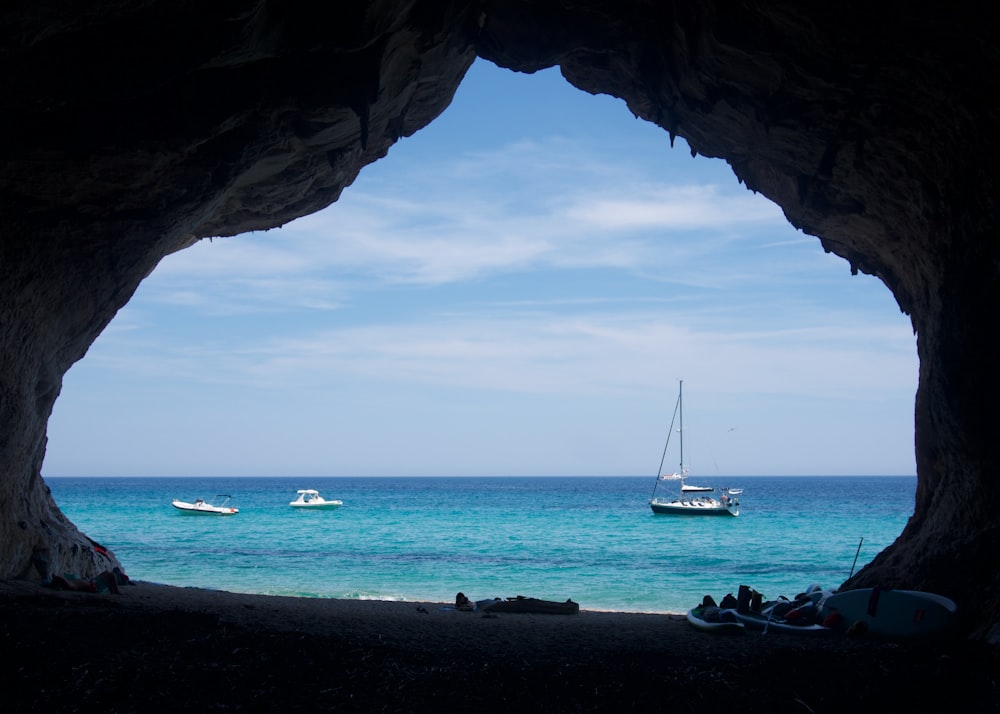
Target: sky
{"points": [[517, 289]]}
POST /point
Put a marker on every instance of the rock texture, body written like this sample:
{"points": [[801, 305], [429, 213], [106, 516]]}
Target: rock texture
{"points": [[135, 129]]}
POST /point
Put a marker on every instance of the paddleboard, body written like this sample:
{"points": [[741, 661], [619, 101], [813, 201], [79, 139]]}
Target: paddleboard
{"points": [[759, 622], [892, 613], [695, 617]]}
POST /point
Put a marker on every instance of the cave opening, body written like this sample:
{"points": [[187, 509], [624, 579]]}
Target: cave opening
{"points": [[536, 264]]}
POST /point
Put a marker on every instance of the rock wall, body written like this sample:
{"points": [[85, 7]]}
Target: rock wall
{"points": [[136, 129]]}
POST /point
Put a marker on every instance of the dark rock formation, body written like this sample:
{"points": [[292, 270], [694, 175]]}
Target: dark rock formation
{"points": [[133, 130]]}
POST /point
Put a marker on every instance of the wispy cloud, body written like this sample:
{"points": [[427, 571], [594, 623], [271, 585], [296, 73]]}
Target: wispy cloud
{"points": [[541, 352], [697, 207], [452, 227], [739, 329]]}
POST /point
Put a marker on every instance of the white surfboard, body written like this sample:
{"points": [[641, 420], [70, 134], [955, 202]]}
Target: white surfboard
{"points": [[759, 622], [892, 613], [696, 618]]}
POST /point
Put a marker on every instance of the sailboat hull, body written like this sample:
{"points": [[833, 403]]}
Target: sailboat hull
{"points": [[690, 508]]}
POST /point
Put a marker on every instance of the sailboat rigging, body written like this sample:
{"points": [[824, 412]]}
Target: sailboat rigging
{"points": [[727, 504]]}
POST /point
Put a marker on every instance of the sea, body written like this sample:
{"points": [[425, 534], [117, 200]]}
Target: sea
{"points": [[590, 539]]}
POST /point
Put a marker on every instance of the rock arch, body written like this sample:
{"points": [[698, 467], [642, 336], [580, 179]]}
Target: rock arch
{"points": [[133, 131]]}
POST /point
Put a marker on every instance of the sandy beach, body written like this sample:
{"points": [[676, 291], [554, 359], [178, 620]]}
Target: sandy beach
{"points": [[158, 648]]}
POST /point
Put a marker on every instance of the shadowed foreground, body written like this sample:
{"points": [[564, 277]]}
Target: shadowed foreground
{"points": [[159, 648]]}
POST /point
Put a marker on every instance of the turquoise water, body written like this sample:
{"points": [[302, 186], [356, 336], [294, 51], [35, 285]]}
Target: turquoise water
{"points": [[592, 539]]}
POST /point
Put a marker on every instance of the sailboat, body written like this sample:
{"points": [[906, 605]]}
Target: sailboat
{"points": [[691, 500]]}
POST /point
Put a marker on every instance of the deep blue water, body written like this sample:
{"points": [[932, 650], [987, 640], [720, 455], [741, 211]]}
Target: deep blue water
{"points": [[592, 539]]}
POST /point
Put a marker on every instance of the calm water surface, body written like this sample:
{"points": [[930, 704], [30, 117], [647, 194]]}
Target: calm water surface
{"points": [[592, 539]]}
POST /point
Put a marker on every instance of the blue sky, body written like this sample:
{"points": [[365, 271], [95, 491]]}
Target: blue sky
{"points": [[515, 290]]}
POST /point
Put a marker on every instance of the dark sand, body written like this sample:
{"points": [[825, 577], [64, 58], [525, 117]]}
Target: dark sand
{"points": [[155, 648]]}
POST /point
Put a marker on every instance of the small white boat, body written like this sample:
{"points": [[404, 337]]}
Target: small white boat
{"points": [[218, 506], [310, 498], [692, 500]]}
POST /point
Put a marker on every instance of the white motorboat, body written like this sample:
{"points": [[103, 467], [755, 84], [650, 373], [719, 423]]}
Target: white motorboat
{"points": [[310, 498], [692, 500], [218, 506]]}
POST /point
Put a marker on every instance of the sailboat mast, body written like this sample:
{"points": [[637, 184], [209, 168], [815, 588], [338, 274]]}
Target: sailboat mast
{"points": [[663, 457], [680, 410]]}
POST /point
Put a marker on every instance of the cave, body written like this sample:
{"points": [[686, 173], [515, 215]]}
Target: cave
{"points": [[135, 130]]}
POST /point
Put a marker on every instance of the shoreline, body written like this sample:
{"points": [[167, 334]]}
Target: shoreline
{"points": [[157, 647], [400, 601]]}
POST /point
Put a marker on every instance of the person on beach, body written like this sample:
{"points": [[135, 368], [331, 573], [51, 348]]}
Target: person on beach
{"points": [[463, 603]]}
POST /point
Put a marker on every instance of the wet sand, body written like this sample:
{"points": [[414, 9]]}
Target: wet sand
{"points": [[161, 648]]}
